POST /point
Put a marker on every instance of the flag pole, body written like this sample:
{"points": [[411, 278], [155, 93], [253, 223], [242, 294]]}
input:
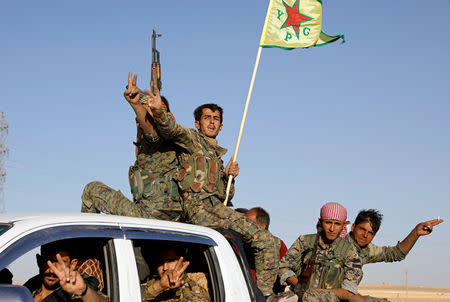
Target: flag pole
{"points": [[244, 116]]}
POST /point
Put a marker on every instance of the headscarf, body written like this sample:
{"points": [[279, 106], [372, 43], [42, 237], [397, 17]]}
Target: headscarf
{"points": [[334, 211]]}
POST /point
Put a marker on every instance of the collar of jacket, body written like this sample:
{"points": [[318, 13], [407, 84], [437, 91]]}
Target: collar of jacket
{"points": [[213, 142]]}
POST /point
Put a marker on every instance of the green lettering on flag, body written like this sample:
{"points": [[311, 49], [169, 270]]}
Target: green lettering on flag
{"points": [[288, 36], [280, 13], [302, 18], [306, 31]]}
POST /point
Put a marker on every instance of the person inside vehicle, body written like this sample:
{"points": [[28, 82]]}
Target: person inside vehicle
{"points": [[6, 277], [59, 279], [172, 283]]}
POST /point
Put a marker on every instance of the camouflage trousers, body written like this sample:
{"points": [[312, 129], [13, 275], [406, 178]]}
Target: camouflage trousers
{"points": [[313, 295], [98, 197], [211, 212]]}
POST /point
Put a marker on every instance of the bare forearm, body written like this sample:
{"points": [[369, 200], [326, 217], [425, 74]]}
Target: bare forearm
{"points": [[407, 244], [143, 119]]}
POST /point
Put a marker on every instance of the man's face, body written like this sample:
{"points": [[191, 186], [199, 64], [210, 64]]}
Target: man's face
{"points": [[49, 279], [209, 123], [332, 228], [167, 261], [363, 233]]}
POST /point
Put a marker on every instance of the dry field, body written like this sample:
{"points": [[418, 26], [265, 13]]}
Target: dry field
{"points": [[401, 293]]}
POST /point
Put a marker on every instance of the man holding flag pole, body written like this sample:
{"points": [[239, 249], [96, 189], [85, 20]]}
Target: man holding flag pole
{"points": [[201, 182]]}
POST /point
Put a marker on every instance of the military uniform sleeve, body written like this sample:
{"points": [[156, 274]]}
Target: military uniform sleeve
{"points": [[290, 263], [384, 253], [148, 292], [169, 129], [192, 291], [352, 271]]}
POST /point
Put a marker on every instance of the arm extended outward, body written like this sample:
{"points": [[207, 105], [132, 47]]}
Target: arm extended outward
{"points": [[422, 229]]}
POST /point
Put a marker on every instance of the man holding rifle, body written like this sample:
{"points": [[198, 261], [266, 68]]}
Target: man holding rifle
{"points": [[152, 178]]}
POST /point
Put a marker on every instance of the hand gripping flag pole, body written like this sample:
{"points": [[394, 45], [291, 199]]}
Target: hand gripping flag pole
{"points": [[289, 24]]}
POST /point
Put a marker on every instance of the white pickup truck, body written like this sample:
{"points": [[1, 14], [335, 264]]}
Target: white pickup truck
{"points": [[120, 245]]}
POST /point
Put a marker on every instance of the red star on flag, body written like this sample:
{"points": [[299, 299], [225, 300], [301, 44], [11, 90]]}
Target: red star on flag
{"points": [[295, 18]]}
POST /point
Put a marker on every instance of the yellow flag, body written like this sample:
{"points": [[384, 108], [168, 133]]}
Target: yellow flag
{"points": [[295, 24]]}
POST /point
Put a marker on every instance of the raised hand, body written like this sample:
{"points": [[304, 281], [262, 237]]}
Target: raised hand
{"points": [[132, 93], [155, 104], [174, 278], [425, 228], [69, 279]]}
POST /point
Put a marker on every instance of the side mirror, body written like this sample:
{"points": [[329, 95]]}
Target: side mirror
{"points": [[15, 293]]}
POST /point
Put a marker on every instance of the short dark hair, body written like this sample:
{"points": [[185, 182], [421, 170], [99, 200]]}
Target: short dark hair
{"points": [[241, 210], [213, 107], [56, 247], [262, 217], [374, 217]]}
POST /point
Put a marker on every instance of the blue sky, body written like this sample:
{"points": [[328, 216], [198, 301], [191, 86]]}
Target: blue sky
{"points": [[364, 123]]}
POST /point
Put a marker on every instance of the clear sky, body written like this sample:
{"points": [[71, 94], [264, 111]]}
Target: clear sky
{"points": [[365, 123]]}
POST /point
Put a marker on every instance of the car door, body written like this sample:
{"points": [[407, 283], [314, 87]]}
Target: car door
{"points": [[89, 242]]}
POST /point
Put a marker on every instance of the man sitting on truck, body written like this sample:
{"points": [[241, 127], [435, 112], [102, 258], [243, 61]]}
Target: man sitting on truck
{"points": [[366, 226], [324, 266], [202, 181], [152, 178], [173, 283], [59, 279]]}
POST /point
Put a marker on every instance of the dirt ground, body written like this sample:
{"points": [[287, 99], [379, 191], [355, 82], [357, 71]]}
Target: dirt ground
{"points": [[401, 293]]}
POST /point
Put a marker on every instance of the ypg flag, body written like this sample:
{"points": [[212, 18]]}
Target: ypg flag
{"points": [[295, 24]]}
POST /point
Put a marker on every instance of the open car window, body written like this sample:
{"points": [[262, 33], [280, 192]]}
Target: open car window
{"points": [[91, 246], [201, 271]]}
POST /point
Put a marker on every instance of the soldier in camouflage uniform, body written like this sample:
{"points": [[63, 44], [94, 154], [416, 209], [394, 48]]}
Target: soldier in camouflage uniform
{"points": [[364, 229], [173, 284], [202, 182], [152, 178], [323, 266]]}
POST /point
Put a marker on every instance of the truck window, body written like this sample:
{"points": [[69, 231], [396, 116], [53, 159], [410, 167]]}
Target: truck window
{"points": [[90, 253], [153, 257]]}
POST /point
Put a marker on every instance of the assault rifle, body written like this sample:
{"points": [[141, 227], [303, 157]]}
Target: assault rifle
{"points": [[307, 271], [155, 71], [156, 65]]}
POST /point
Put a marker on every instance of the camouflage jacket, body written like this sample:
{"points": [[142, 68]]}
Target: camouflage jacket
{"points": [[372, 253], [336, 266], [189, 291], [201, 168], [153, 176]]}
